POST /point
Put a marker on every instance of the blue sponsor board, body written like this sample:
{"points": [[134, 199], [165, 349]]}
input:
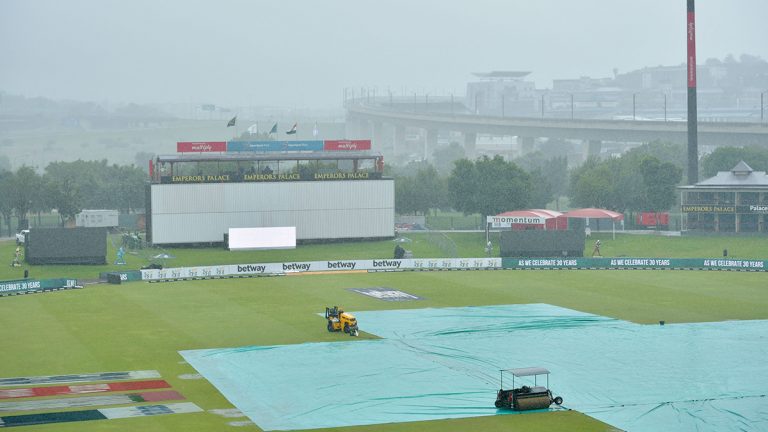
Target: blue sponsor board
{"points": [[274, 146]]}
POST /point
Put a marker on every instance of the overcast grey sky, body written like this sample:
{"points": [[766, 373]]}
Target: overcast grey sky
{"points": [[302, 53]]}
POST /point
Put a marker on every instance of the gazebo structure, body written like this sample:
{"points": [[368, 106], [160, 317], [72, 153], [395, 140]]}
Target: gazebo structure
{"points": [[734, 201], [596, 213]]}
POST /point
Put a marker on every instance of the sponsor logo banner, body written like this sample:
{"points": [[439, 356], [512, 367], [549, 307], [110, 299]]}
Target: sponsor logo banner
{"points": [[270, 177], [201, 146], [755, 208], [350, 145], [295, 267], [508, 221], [634, 263], [706, 208], [386, 294], [24, 285], [274, 146]]}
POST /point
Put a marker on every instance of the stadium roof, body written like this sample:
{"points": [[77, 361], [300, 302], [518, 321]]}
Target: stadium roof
{"points": [[741, 175]]}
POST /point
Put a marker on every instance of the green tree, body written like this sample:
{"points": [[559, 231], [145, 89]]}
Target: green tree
{"points": [[659, 180], [64, 184], [541, 189], [725, 158], [405, 195], [462, 185], [488, 186], [431, 190], [549, 177], [590, 185], [664, 151], [6, 207], [26, 188], [420, 191]]}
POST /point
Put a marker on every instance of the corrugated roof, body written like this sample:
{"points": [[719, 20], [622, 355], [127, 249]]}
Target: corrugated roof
{"points": [[741, 175]]}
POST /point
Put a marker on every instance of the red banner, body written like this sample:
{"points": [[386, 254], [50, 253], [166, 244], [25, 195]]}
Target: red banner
{"points": [[347, 145], [201, 146], [652, 219]]}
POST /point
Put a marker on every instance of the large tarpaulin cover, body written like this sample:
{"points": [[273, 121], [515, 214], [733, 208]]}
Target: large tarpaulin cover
{"points": [[444, 363]]}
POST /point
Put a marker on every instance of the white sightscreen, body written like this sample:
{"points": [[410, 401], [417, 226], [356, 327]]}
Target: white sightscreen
{"points": [[201, 213], [262, 238]]}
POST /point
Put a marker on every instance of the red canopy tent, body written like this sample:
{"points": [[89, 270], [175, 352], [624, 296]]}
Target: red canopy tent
{"points": [[596, 213], [523, 219]]}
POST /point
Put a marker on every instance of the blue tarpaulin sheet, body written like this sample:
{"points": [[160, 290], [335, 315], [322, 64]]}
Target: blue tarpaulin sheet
{"points": [[443, 363]]}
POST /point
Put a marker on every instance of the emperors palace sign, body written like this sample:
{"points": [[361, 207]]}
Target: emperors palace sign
{"points": [[714, 208]]}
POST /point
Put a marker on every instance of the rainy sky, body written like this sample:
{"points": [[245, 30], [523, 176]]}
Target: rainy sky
{"points": [[303, 53]]}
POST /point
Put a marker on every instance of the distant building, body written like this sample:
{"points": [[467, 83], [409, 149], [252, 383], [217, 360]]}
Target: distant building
{"points": [[728, 90], [734, 201], [502, 93]]}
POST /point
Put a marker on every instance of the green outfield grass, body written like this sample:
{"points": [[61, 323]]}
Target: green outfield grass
{"points": [[138, 326], [422, 244]]}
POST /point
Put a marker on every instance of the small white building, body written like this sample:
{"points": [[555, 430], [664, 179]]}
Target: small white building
{"points": [[97, 218]]}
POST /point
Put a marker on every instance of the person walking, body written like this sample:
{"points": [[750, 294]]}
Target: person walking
{"points": [[596, 251]]}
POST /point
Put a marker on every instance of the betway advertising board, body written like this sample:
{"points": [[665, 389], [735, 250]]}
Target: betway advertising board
{"points": [[320, 266], [267, 269]]}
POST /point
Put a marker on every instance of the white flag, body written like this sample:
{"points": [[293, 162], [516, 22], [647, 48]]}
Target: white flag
{"points": [[315, 131], [253, 129]]}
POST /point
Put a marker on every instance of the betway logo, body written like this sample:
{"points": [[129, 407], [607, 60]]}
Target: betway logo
{"points": [[296, 267], [386, 263], [202, 147], [341, 265], [251, 268]]}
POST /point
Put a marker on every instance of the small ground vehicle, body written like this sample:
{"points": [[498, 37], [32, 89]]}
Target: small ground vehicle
{"points": [[338, 320], [525, 397]]}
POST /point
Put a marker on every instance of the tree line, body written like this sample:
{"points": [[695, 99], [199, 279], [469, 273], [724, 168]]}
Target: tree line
{"points": [[68, 188], [642, 179]]}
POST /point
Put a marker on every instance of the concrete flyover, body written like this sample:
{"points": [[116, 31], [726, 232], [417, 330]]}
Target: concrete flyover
{"points": [[592, 131]]}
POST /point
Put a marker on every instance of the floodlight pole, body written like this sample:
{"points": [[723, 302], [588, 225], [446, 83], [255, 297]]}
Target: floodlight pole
{"points": [[693, 125]]}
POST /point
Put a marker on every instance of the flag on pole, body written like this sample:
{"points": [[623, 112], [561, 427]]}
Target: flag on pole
{"points": [[253, 129], [315, 131], [273, 130], [293, 129], [232, 122]]}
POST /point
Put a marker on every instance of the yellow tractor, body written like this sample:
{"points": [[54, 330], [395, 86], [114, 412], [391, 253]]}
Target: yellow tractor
{"points": [[338, 320]]}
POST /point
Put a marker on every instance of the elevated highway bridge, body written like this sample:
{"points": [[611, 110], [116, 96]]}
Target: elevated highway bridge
{"points": [[372, 119]]}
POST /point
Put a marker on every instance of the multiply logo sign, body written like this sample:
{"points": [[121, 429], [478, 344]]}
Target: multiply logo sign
{"points": [[202, 147]]}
